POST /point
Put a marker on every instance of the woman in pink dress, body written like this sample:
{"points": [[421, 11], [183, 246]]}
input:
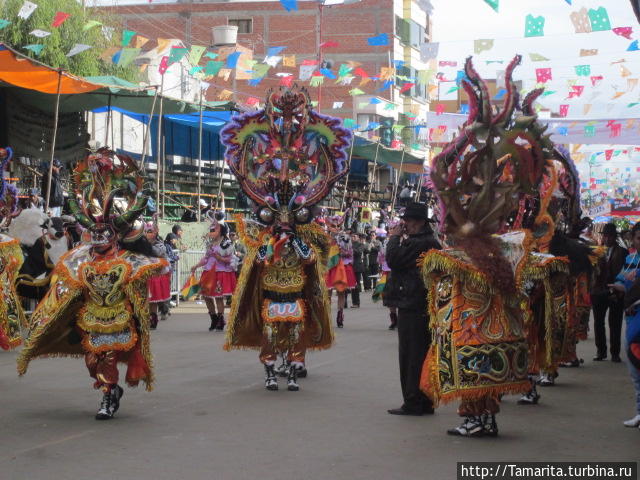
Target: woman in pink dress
{"points": [[159, 286], [218, 279]]}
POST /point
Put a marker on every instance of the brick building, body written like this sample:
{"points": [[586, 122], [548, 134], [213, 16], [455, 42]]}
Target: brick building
{"points": [[330, 34]]}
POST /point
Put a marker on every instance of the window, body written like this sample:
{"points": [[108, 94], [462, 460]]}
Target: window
{"points": [[410, 33], [244, 25]]}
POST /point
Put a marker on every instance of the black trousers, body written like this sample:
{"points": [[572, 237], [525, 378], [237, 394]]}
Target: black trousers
{"points": [[414, 339], [355, 291], [601, 304]]}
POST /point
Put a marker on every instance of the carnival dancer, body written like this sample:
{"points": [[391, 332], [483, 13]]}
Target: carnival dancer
{"points": [[218, 279], [476, 302], [11, 314], [97, 306], [159, 285], [287, 158]]}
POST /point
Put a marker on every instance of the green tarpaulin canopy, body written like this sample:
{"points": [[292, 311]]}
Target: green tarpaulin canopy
{"points": [[387, 156]]}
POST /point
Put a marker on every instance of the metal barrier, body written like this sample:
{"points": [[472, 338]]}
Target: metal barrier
{"points": [[182, 271]]}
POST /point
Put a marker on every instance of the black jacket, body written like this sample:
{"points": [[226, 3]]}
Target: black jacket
{"points": [[609, 267], [405, 288]]}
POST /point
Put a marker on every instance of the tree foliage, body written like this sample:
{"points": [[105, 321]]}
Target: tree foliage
{"points": [[63, 38]]}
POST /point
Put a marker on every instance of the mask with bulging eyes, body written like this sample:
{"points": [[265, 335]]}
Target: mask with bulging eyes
{"points": [[102, 235]]}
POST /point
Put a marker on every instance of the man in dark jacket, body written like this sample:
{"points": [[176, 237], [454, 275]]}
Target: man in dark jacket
{"points": [[406, 291], [603, 299]]}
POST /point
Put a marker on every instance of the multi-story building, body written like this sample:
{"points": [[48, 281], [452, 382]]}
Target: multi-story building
{"points": [[329, 32]]}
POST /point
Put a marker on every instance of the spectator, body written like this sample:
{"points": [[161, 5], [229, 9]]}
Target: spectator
{"points": [[406, 291], [374, 248], [56, 199], [605, 299], [358, 268]]}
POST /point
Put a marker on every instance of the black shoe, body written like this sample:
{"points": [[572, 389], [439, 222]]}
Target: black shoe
{"points": [[599, 358], [394, 321], [615, 358], [572, 364], [292, 380], [340, 319], [489, 425], [270, 379], [153, 321], [214, 321], [402, 411], [301, 372], [221, 322], [471, 427], [116, 394]]}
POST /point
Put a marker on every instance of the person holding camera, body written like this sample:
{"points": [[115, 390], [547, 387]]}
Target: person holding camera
{"points": [[406, 291]]}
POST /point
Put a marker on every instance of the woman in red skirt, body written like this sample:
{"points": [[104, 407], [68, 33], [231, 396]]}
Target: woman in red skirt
{"points": [[218, 279], [159, 287]]}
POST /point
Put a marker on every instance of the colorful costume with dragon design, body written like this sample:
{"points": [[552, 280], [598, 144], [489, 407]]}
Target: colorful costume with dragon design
{"points": [[11, 314], [97, 306], [479, 307], [286, 158]]}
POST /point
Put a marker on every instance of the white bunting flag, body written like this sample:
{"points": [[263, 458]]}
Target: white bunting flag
{"points": [[40, 33], [77, 48], [27, 9]]}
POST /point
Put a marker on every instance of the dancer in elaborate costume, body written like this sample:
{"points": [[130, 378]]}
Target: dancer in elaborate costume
{"points": [[159, 285], [476, 295], [287, 158], [11, 314], [97, 306], [218, 279]]}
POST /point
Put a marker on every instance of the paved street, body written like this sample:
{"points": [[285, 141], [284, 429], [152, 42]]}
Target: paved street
{"points": [[209, 416]]}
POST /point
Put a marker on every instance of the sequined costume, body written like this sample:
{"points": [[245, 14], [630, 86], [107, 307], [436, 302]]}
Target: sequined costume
{"points": [[11, 314], [286, 157], [477, 287], [97, 306]]}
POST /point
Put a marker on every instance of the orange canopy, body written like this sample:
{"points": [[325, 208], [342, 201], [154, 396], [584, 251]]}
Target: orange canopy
{"points": [[22, 72]]}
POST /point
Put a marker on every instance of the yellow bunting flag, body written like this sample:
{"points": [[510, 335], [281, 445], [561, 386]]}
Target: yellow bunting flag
{"points": [[289, 61], [140, 41], [225, 94], [163, 44], [482, 45], [624, 71], [224, 73], [387, 73]]}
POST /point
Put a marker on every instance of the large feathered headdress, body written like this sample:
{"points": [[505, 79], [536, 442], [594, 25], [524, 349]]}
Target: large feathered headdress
{"points": [[286, 156], [107, 192]]}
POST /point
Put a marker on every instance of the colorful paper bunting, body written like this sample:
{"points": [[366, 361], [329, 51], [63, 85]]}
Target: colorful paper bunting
{"points": [[338, 104], [176, 54], [59, 19], [429, 51], [78, 48], [495, 4], [306, 71], [273, 61], [39, 33], [127, 35], [482, 45], [599, 19], [195, 70], [317, 79], [576, 91], [26, 9], [273, 51], [580, 20], [586, 108], [286, 81], [623, 32], [543, 75], [329, 44], [406, 87], [164, 65], [564, 110], [35, 48], [289, 61], [195, 54], [588, 52], [4, 23], [232, 59], [536, 57], [381, 40], [289, 5], [163, 44], [140, 41], [590, 131], [533, 26], [355, 91], [309, 62], [225, 73], [596, 79], [127, 55], [633, 46], [213, 67], [107, 32], [583, 70], [90, 24], [211, 55]]}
